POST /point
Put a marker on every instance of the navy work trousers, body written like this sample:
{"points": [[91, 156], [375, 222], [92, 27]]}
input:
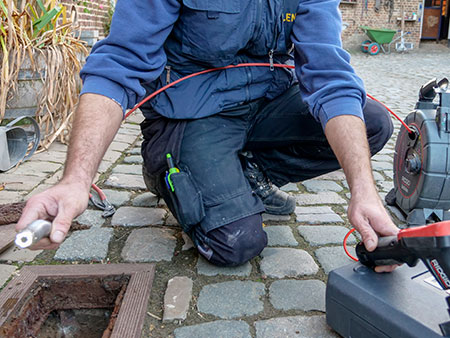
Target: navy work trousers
{"points": [[219, 210]]}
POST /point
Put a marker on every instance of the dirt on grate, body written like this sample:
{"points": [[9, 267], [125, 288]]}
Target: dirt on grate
{"points": [[11, 212]]}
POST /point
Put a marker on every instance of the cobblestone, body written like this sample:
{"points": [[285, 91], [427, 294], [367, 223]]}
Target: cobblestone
{"points": [[125, 138], [377, 177], [18, 182], [137, 216], [135, 151], [36, 168], [188, 244], [333, 257], [50, 156], [91, 218], [112, 156], [132, 169], [118, 146], [337, 175], [305, 295], [321, 235], [40, 188], [277, 218], [280, 235], [14, 254], [227, 329], [297, 326], [10, 196], [126, 181], [146, 199], [315, 215], [290, 187], [85, 245], [177, 298], [321, 185], [389, 174], [104, 166], [5, 272], [386, 186], [208, 269], [134, 159], [55, 178], [320, 198], [287, 262], [230, 300], [381, 165], [382, 158], [149, 245], [117, 198], [320, 219]]}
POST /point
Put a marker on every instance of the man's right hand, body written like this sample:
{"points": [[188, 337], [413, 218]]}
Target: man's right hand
{"points": [[59, 204], [96, 121]]}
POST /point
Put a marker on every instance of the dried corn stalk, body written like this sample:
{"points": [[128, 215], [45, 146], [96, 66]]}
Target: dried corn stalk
{"points": [[33, 30]]}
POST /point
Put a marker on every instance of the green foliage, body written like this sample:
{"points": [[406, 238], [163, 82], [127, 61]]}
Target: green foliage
{"points": [[107, 23]]}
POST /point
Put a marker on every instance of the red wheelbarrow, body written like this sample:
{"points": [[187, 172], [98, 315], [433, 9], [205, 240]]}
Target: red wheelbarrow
{"points": [[378, 37]]}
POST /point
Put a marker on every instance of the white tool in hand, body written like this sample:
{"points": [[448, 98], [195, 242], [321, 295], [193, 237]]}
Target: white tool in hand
{"points": [[33, 233]]}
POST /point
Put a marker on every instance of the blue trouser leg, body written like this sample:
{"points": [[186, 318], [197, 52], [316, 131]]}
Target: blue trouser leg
{"points": [[286, 141], [291, 146]]}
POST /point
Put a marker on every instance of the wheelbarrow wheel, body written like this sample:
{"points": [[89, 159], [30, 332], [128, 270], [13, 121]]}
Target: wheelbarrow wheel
{"points": [[373, 48], [365, 46]]}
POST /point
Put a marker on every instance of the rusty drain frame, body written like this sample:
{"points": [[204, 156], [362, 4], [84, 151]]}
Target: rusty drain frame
{"points": [[20, 291]]}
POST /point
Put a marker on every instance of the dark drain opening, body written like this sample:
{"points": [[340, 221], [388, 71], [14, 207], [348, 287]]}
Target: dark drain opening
{"points": [[97, 300], [86, 323]]}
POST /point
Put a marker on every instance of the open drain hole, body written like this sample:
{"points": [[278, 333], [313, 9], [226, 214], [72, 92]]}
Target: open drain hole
{"points": [[76, 301]]}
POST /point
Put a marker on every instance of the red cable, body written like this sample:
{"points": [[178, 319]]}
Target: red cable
{"points": [[345, 245], [390, 111], [152, 95], [276, 65], [99, 191]]}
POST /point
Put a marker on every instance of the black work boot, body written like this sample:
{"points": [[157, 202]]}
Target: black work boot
{"points": [[275, 201]]}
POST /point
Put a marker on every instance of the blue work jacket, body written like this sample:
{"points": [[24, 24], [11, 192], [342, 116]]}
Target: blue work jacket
{"points": [[153, 42]]}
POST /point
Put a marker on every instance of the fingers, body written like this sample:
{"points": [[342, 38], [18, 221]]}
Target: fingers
{"points": [[44, 244], [33, 210], [56, 205], [61, 225], [369, 237], [386, 268]]}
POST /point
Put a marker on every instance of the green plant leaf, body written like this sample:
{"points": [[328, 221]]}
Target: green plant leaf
{"points": [[3, 43], [2, 29], [46, 19], [41, 6], [4, 9]]}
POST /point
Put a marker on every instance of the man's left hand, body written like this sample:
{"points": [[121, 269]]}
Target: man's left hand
{"points": [[367, 214]]}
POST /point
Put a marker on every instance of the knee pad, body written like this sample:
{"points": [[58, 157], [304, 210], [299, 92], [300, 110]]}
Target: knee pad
{"points": [[237, 242]]}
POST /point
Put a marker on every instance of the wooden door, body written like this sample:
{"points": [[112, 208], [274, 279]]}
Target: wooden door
{"points": [[432, 19]]}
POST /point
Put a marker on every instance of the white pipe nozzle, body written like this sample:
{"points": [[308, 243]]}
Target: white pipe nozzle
{"points": [[33, 233]]}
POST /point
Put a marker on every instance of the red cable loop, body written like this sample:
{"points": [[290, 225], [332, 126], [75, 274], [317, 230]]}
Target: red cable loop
{"points": [[345, 245], [390, 111]]}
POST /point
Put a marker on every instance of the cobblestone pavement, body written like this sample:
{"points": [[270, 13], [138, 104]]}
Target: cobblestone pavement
{"points": [[279, 294]]}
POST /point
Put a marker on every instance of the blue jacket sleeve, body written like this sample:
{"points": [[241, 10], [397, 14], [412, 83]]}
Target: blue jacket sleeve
{"points": [[328, 83], [132, 52]]}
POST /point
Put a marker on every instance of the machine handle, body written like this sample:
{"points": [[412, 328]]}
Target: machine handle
{"points": [[388, 252]]}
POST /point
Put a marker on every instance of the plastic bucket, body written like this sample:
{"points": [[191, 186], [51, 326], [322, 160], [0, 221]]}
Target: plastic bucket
{"points": [[14, 143]]}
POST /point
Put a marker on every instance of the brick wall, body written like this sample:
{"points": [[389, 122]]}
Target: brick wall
{"points": [[355, 13], [91, 13]]}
